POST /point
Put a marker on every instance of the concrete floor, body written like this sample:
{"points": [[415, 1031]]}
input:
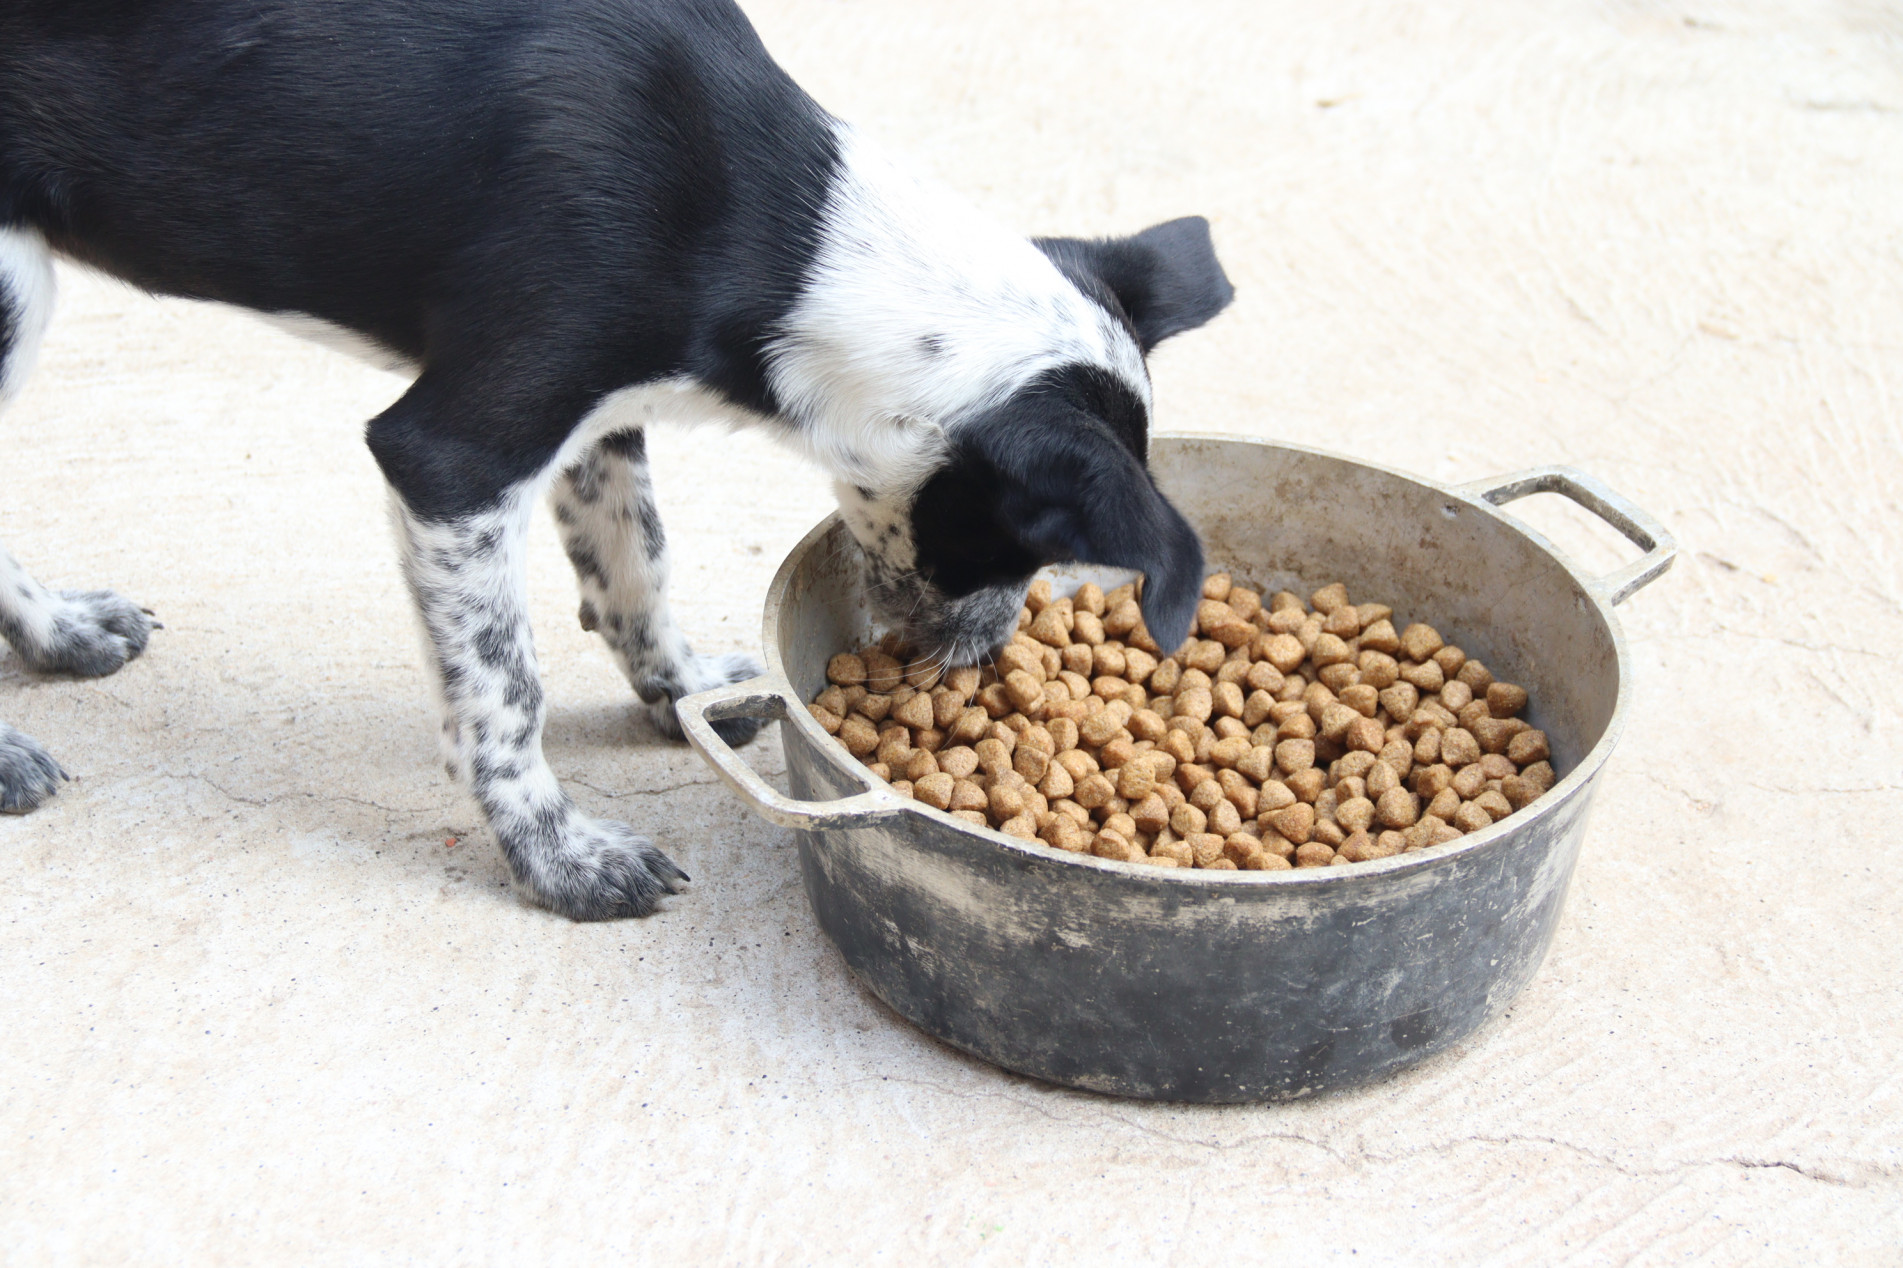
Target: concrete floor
{"points": [[257, 1008]]}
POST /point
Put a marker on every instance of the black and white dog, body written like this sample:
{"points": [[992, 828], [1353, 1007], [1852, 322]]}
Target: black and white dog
{"points": [[569, 219]]}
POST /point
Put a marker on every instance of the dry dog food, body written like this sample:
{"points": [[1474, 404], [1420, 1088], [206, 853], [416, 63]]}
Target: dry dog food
{"points": [[1283, 733]]}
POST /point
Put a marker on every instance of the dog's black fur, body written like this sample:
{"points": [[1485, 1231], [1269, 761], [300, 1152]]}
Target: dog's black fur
{"points": [[550, 211]]}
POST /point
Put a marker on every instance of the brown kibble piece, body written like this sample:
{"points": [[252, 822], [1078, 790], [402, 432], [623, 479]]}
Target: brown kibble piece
{"points": [[1314, 854], [1239, 848], [1519, 791], [1427, 677], [1458, 747], [1329, 597], [1024, 690], [1469, 781], [1204, 848], [1494, 734], [1397, 808], [1379, 636], [1365, 735], [1135, 781], [1057, 782], [1528, 747], [1275, 795], [1196, 703], [1432, 779], [1329, 650], [935, 790], [1504, 699], [884, 673], [859, 735], [1378, 670], [846, 670], [1400, 700], [1150, 814], [1295, 755], [1471, 817], [968, 795], [1495, 804], [1307, 784], [1355, 814], [1381, 778], [1187, 820], [1284, 652], [1048, 628], [1419, 642], [1031, 763], [1296, 823], [916, 712], [1497, 765]]}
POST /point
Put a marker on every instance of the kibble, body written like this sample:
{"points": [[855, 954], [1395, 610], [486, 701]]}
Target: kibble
{"points": [[1282, 734]]}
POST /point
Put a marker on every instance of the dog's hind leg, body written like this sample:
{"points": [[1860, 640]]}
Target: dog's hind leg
{"points": [[86, 633], [604, 507]]}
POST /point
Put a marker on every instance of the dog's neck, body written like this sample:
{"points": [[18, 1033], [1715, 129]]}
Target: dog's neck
{"points": [[920, 312]]}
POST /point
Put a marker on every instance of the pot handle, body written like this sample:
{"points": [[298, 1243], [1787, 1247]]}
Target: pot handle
{"points": [[1636, 525], [761, 698]]}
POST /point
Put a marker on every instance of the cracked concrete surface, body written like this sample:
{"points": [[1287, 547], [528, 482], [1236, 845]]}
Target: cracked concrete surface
{"points": [[259, 1009]]}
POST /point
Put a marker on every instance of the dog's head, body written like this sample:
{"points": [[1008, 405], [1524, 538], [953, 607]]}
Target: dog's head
{"points": [[1056, 470]]}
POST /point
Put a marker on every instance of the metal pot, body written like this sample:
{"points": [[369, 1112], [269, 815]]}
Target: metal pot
{"points": [[1192, 985]]}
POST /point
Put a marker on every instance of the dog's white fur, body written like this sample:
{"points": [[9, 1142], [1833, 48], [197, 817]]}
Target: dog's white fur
{"points": [[906, 263], [26, 279]]}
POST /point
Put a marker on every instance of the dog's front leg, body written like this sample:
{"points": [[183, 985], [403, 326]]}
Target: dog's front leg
{"points": [[611, 529], [466, 572]]}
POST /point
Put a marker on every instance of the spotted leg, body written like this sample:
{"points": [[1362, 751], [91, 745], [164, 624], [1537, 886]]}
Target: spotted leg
{"points": [[85, 633], [604, 506], [468, 579]]}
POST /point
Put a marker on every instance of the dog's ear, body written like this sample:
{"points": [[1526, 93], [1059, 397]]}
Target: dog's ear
{"points": [[1045, 481], [1166, 279]]}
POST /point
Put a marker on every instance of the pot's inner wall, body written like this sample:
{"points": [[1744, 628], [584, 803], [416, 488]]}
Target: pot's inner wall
{"points": [[1281, 518]]}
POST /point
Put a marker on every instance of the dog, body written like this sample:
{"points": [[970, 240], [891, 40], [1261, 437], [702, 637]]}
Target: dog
{"points": [[567, 220]]}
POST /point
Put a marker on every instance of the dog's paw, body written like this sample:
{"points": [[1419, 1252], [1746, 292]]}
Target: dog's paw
{"points": [[94, 633], [597, 870], [704, 672], [28, 773]]}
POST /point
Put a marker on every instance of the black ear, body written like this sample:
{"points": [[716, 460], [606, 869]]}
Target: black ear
{"points": [[1166, 279], [1042, 480]]}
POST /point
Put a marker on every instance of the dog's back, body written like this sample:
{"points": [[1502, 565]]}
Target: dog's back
{"points": [[360, 162]]}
